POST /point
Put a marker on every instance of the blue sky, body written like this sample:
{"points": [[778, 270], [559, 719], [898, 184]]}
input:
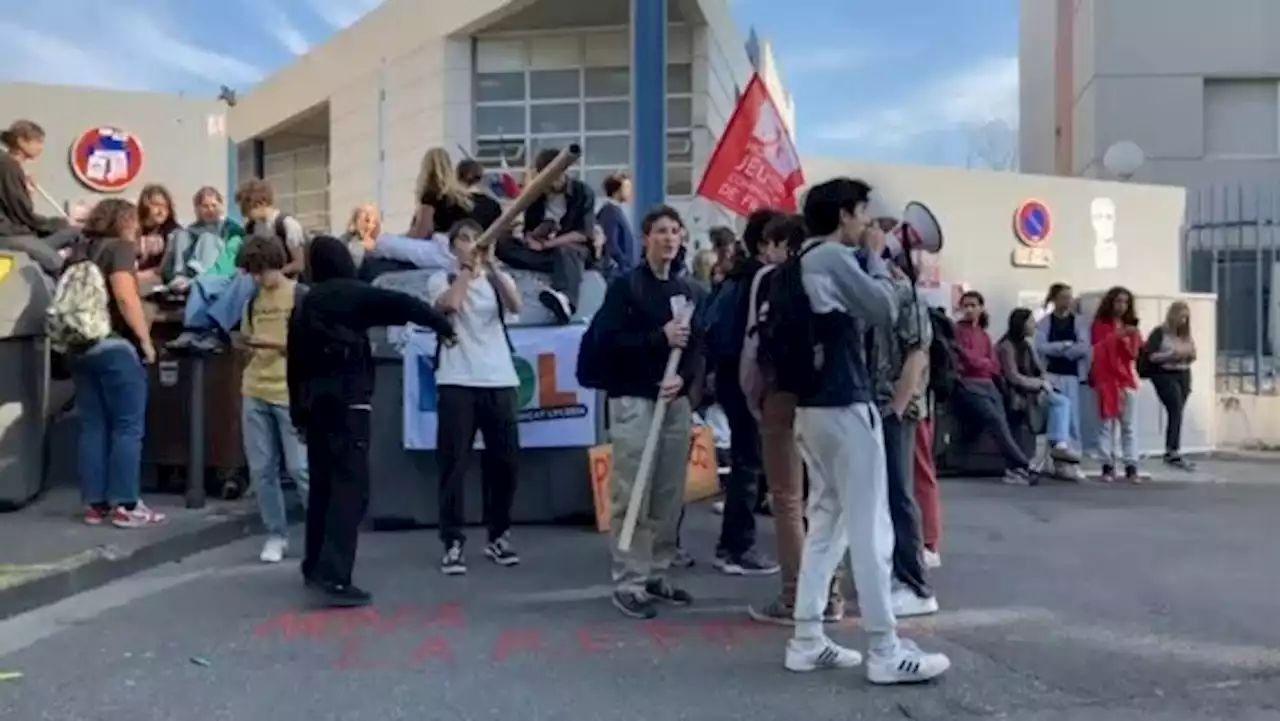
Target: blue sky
{"points": [[919, 81]]}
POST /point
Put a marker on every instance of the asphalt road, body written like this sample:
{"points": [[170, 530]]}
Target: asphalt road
{"points": [[1059, 604]]}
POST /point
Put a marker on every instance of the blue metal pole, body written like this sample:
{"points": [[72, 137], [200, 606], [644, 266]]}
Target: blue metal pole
{"points": [[649, 102]]}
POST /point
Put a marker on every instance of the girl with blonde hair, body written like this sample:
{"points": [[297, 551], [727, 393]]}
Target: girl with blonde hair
{"points": [[1169, 352], [442, 201], [363, 230]]}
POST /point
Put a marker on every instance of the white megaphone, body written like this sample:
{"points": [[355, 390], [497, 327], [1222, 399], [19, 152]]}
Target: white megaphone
{"points": [[918, 229]]}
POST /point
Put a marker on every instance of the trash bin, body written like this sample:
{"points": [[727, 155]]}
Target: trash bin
{"points": [[25, 294]]}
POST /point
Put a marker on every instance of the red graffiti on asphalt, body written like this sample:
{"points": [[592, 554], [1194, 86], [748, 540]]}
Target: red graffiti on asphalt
{"points": [[432, 634]]}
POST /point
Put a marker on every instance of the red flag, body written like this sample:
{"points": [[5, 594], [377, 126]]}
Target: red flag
{"points": [[510, 188], [755, 164]]}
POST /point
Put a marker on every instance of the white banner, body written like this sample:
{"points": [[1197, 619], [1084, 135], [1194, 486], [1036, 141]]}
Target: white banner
{"points": [[555, 412]]}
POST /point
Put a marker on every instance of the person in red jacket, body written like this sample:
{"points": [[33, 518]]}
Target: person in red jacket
{"points": [[976, 399], [1116, 342]]}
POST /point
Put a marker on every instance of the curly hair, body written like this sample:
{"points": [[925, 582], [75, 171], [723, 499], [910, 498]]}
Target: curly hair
{"points": [[109, 218], [259, 255], [1107, 308], [156, 190]]}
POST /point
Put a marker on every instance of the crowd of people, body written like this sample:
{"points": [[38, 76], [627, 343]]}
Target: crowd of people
{"points": [[808, 333]]}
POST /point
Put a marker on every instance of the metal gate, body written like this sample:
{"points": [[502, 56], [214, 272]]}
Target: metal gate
{"points": [[1230, 247]]}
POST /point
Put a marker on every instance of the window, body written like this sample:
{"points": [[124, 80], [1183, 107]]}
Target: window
{"points": [[1241, 117], [606, 83], [518, 113], [500, 87], [500, 120], [555, 85]]}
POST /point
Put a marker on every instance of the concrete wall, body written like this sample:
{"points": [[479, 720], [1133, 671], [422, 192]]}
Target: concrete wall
{"points": [[1128, 58], [976, 210], [179, 152], [1036, 101]]}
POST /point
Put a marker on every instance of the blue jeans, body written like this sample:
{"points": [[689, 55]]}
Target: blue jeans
{"points": [[218, 302], [1069, 387], [1127, 451], [111, 406], [270, 442], [1058, 423]]}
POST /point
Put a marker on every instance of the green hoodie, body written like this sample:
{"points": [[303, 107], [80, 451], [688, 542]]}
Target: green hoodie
{"points": [[226, 265]]}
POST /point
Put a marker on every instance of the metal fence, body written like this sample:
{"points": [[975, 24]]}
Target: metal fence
{"points": [[1231, 247]]}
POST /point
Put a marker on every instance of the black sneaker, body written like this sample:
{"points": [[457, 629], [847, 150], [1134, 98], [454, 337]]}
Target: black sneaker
{"points": [[1176, 461], [1131, 473], [339, 595], [1108, 473], [558, 303], [662, 590], [501, 552], [453, 563], [750, 563], [635, 605]]}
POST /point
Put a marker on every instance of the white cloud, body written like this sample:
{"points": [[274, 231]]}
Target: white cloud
{"points": [[146, 53], [35, 56], [281, 27], [342, 13], [976, 96], [823, 59]]}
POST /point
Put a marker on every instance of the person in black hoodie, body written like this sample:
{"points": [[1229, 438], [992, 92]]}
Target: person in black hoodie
{"points": [[635, 332], [21, 229], [330, 376], [736, 552]]}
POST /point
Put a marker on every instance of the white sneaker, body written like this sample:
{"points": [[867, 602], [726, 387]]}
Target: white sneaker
{"points": [[274, 549], [907, 604], [932, 559], [809, 656], [558, 303], [908, 665]]}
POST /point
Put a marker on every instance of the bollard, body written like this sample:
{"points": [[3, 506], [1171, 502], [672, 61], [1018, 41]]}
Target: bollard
{"points": [[196, 434]]}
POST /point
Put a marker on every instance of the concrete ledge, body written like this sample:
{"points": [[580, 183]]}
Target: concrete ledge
{"points": [[85, 571]]}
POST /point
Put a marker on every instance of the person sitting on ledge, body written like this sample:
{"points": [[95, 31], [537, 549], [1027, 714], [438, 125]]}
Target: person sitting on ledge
{"points": [[216, 303], [46, 240], [200, 247], [557, 238]]}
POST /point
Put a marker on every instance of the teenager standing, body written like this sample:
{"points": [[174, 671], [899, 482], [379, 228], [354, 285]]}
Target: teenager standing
{"points": [[476, 389], [840, 436], [330, 377], [1116, 342], [632, 336], [1171, 350]]}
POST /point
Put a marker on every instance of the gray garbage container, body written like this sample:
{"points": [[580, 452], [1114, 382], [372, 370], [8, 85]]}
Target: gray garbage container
{"points": [[25, 293]]}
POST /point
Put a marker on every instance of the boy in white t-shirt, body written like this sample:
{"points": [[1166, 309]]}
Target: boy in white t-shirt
{"points": [[476, 390]]}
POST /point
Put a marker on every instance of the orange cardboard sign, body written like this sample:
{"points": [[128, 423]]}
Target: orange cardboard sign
{"points": [[701, 481]]}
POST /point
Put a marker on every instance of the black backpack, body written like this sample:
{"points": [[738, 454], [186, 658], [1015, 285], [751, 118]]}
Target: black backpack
{"points": [[594, 368], [788, 350], [944, 366]]}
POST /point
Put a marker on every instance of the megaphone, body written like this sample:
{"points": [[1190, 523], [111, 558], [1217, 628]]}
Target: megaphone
{"points": [[918, 229]]}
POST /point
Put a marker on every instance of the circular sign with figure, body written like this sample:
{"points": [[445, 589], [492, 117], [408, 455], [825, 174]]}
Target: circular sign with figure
{"points": [[1032, 223], [106, 159]]}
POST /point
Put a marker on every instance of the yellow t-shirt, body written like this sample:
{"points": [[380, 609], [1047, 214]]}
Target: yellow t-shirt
{"points": [[268, 320]]}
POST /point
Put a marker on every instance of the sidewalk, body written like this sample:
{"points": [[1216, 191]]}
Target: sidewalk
{"points": [[47, 553]]}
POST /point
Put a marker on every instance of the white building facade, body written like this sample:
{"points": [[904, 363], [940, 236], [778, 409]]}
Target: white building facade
{"points": [[494, 79]]}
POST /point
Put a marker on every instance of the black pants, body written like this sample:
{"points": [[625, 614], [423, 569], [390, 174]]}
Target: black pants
{"points": [[566, 264], [908, 547], [1173, 388], [742, 487], [462, 412], [979, 403], [338, 460]]}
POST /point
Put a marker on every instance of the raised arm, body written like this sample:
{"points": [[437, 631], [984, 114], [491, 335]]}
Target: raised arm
{"points": [[869, 294]]}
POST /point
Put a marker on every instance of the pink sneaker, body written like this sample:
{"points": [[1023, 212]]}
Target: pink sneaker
{"points": [[140, 516], [95, 516]]}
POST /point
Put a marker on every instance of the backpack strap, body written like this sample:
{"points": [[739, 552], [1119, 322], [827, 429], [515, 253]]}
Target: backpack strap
{"points": [[752, 303]]}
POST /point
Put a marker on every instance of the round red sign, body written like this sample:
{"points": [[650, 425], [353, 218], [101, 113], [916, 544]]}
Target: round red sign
{"points": [[106, 159]]}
